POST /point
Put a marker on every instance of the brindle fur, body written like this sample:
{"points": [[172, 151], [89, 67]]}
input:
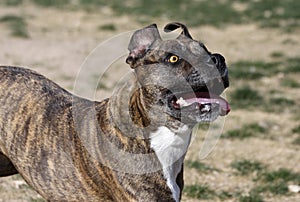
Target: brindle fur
{"points": [[39, 137], [42, 139]]}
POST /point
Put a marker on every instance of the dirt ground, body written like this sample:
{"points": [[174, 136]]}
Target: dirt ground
{"points": [[60, 41]]}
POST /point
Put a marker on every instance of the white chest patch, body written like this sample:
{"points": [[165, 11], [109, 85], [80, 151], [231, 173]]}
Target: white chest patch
{"points": [[170, 148]]}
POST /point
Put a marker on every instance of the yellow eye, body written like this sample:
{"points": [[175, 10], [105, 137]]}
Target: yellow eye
{"points": [[173, 58]]}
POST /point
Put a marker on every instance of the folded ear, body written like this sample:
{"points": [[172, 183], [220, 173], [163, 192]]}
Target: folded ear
{"points": [[141, 41], [175, 25]]}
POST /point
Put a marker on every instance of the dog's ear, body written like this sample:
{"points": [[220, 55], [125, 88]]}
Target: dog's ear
{"points": [[175, 25], [140, 42]]}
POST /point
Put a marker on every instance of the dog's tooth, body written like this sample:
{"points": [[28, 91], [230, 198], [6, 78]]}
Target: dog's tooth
{"points": [[205, 109], [182, 102]]}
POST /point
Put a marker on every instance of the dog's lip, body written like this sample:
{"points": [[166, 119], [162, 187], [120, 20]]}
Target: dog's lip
{"points": [[200, 100]]}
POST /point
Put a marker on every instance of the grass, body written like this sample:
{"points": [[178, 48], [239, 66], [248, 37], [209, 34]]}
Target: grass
{"points": [[280, 175], [13, 2], [253, 70], [199, 192], [246, 167], [245, 97], [51, 3], [279, 104], [267, 13], [194, 13], [17, 25], [296, 129], [290, 83], [108, 27], [277, 54], [276, 181], [275, 13], [246, 131], [217, 13], [37, 200], [292, 65], [278, 188], [297, 141], [253, 196], [281, 101], [200, 167]]}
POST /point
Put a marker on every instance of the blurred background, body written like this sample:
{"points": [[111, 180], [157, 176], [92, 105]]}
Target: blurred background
{"points": [[257, 157]]}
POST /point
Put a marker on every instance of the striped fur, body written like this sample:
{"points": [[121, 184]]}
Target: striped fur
{"points": [[39, 136]]}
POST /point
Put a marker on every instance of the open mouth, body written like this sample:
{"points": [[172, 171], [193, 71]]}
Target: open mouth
{"points": [[202, 102]]}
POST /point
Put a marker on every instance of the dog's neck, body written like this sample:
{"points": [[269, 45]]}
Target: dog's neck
{"points": [[170, 148], [169, 142]]}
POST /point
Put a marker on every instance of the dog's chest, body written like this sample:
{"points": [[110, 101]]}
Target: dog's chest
{"points": [[170, 148]]}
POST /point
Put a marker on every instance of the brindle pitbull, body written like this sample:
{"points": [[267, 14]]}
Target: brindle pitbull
{"points": [[129, 147]]}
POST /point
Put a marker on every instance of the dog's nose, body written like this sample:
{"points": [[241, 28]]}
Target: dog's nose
{"points": [[219, 60]]}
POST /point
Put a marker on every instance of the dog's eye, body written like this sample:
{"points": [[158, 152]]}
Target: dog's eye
{"points": [[173, 59]]}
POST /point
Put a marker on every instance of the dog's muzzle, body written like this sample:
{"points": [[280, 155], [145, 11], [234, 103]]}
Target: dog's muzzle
{"points": [[202, 102]]}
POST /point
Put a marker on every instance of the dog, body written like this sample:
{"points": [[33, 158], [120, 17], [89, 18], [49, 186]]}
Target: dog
{"points": [[129, 147]]}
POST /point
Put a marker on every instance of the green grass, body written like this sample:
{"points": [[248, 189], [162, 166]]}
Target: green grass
{"points": [[199, 192], [37, 200], [297, 141], [272, 13], [281, 101], [267, 13], [280, 104], [276, 181], [17, 177], [51, 3], [253, 196], [290, 83], [246, 131], [224, 195], [246, 167], [277, 54], [252, 70], [280, 175], [292, 65], [245, 97], [108, 27], [296, 130], [13, 2], [200, 167], [17, 25], [266, 182], [217, 13], [277, 188]]}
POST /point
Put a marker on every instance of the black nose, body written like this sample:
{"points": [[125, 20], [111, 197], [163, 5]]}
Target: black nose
{"points": [[219, 60]]}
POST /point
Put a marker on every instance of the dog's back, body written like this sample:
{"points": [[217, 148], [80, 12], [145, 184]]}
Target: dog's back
{"points": [[27, 98], [34, 113], [38, 138]]}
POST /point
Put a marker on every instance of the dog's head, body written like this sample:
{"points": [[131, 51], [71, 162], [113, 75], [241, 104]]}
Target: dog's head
{"points": [[180, 75]]}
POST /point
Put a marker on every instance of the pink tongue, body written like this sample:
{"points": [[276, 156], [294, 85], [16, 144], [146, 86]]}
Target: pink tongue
{"points": [[206, 98]]}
